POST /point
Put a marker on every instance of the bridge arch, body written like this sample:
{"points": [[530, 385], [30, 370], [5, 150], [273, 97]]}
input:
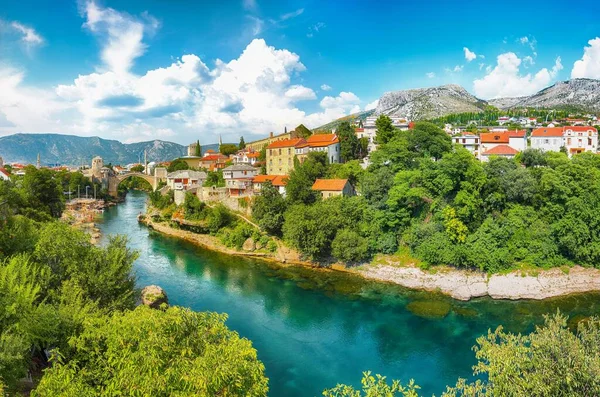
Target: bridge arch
{"points": [[115, 181]]}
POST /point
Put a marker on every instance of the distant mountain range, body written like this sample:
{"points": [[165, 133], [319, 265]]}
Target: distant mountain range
{"points": [[73, 150], [430, 103], [579, 94]]}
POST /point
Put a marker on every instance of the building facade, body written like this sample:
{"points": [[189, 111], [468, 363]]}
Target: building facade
{"points": [[281, 154], [469, 142], [238, 179], [185, 179], [333, 187], [574, 139]]}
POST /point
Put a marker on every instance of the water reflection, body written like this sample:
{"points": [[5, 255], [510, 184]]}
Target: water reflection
{"points": [[313, 329]]}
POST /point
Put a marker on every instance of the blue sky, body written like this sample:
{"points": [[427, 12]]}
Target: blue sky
{"points": [[182, 70]]}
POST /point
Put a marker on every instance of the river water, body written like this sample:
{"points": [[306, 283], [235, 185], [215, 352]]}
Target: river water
{"points": [[313, 329]]}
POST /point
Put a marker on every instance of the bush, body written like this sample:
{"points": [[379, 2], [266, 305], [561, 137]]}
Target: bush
{"points": [[218, 218], [348, 246]]}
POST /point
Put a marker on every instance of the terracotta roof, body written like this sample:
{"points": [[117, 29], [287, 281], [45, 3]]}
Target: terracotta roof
{"points": [[501, 150], [210, 151], [359, 130], [3, 171], [263, 178], [286, 143], [213, 157], [280, 180], [320, 140], [580, 128], [547, 131], [494, 137], [330, 184], [517, 133], [253, 155]]}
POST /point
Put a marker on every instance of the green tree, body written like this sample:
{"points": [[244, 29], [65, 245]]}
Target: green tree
{"points": [[138, 168], [348, 246], [228, 149], [268, 209], [214, 178], [43, 191], [430, 140], [385, 129], [178, 165], [159, 353], [303, 176], [242, 144], [198, 149], [302, 131], [349, 145]]}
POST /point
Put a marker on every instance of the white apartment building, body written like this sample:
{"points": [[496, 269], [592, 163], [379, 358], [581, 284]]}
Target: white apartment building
{"points": [[369, 129], [575, 139], [469, 142]]}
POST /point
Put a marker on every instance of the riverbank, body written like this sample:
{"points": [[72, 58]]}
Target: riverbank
{"points": [[457, 283]]}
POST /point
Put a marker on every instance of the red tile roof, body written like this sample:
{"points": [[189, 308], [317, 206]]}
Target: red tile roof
{"points": [[330, 184], [3, 171], [253, 155], [280, 180], [213, 157], [320, 140], [286, 143], [359, 130], [494, 137], [210, 151], [501, 150], [580, 128], [547, 131], [263, 178]]}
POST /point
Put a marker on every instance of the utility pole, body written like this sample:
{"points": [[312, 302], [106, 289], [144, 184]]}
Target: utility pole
{"points": [[94, 191]]}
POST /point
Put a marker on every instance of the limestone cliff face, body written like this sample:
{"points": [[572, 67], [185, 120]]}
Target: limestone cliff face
{"points": [[583, 94], [428, 103]]}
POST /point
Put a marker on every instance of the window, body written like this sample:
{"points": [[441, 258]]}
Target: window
{"points": [[289, 150], [589, 141], [280, 152], [464, 140]]}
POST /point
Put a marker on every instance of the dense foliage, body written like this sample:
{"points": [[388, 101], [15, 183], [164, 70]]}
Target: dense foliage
{"points": [[551, 361], [447, 207], [64, 299], [147, 352]]}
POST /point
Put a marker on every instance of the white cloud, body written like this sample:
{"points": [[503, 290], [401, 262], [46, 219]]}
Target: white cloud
{"points": [[589, 65], [325, 87], [121, 34], [528, 59], [458, 68], [505, 80], [299, 92], [30, 36], [292, 14], [530, 41], [186, 100], [372, 105], [430, 75], [469, 55], [314, 29], [481, 65]]}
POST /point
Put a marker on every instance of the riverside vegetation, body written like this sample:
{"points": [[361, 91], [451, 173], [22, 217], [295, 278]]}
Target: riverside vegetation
{"points": [[423, 196], [63, 298]]}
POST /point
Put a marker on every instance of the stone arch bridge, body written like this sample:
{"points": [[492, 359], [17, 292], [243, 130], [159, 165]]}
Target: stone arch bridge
{"points": [[115, 180]]}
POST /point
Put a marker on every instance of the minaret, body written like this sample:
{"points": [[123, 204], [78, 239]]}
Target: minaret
{"points": [[285, 130], [220, 140], [38, 161], [145, 162]]}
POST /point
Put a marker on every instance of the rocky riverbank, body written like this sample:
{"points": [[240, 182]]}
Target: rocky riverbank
{"points": [[458, 283], [465, 285]]}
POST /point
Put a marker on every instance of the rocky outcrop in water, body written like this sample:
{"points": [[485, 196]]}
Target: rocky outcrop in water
{"points": [[154, 297]]}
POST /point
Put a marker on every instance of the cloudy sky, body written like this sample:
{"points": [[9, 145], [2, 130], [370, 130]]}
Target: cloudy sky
{"points": [[185, 70]]}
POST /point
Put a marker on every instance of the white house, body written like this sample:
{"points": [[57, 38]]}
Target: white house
{"points": [[499, 151], [328, 143], [246, 156], [4, 175], [238, 178], [516, 139], [575, 139], [469, 142], [578, 139], [185, 179]]}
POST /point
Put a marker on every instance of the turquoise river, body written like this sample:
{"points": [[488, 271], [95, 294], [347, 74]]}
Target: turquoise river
{"points": [[313, 329]]}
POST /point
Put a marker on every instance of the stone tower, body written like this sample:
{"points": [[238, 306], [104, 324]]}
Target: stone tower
{"points": [[1, 162], [192, 149], [97, 164], [38, 163]]}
